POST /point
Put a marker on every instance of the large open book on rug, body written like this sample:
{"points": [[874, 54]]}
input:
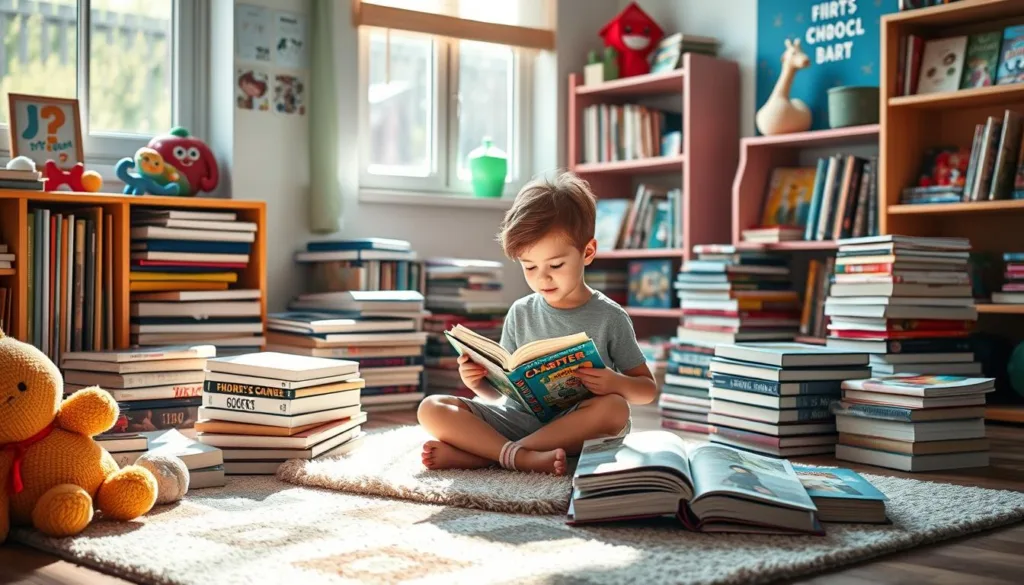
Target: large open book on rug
{"points": [[538, 375], [709, 487]]}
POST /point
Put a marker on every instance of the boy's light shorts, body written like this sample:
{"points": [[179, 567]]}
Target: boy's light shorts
{"points": [[514, 421]]}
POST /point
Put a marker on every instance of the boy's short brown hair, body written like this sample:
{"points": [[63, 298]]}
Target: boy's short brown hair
{"points": [[565, 204]]}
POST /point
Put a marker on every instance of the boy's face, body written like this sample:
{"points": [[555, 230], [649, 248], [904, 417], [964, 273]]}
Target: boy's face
{"points": [[553, 268]]}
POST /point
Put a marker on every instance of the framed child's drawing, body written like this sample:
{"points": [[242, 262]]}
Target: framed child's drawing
{"points": [[45, 128]]}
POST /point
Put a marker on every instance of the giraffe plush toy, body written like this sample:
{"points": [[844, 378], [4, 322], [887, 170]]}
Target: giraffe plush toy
{"points": [[780, 114], [52, 473]]}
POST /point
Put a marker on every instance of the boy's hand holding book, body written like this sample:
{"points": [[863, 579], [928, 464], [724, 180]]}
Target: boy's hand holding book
{"points": [[471, 373], [602, 380]]}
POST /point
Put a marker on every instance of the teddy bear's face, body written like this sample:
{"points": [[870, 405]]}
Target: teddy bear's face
{"points": [[31, 389]]}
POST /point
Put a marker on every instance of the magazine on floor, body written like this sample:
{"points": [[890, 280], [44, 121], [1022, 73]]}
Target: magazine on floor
{"points": [[708, 487]]}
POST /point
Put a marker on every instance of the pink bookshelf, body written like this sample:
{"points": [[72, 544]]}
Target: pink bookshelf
{"points": [[759, 155]]}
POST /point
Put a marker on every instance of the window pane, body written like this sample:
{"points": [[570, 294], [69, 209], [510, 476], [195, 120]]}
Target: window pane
{"points": [[130, 66], [485, 94], [401, 102], [38, 56]]}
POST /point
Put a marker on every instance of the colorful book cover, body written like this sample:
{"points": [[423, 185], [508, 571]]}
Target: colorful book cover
{"points": [[942, 65], [836, 483], [650, 284], [789, 196], [611, 216], [981, 60], [1011, 59], [545, 386]]}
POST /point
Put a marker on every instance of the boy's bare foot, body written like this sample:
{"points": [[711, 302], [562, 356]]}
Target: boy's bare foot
{"points": [[552, 462], [440, 455]]}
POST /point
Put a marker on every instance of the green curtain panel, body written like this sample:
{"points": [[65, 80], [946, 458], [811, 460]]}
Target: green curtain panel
{"points": [[325, 199]]}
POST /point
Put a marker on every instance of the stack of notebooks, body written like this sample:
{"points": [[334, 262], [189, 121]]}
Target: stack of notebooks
{"points": [[265, 408], [914, 423], [68, 270], [381, 331], [185, 268], [6, 257], [907, 301], [459, 292], [731, 296], [775, 398], [155, 388], [361, 264], [684, 403], [1012, 292], [21, 179]]}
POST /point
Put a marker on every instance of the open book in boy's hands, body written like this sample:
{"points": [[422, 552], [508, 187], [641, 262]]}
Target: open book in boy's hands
{"points": [[709, 487], [538, 375]]}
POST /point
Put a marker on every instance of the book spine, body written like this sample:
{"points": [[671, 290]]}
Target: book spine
{"points": [[232, 388], [813, 401], [688, 370], [771, 388], [874, 411], [176, 417], [249, 403], [169, 392], [810, 229], [386, 390], [805, 414], [30, 267], [934, 345], [686, 358]]}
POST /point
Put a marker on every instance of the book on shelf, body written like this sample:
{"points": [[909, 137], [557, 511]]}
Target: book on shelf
{"points": [[709, 488], [981, 59], [650, 284], [623, 132], [652, 219], [538, 375]]}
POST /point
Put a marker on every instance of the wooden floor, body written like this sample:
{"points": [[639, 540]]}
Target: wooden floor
{"points": [[988, 558]]}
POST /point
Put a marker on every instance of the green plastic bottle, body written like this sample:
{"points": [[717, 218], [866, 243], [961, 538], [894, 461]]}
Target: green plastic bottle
{"points": [[488, 167]]}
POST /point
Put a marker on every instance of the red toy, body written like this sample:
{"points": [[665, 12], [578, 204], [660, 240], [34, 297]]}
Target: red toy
{"points": [[634, 35], [190, 157], [76, 178]]}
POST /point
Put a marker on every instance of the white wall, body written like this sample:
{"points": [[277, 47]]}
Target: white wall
{"points": [[732, 22]]}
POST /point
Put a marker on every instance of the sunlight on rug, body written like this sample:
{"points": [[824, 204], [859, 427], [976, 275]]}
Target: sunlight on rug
{"points": [[388, 464]]}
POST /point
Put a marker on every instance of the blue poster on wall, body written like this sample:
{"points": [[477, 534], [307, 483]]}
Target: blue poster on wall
{"points": [[841, 38]]}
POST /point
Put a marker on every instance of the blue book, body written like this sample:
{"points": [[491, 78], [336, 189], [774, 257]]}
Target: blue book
{"points": [[359, 244], [842, 495], [539, 375], [811, 228], [194, 246]]}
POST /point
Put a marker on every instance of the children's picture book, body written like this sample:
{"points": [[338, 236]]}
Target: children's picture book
{"points": [[708, 487], [538, 375], [942, 65], [789, 196], [842, 495], [981, 60], [650, 284], [1011, 56]]}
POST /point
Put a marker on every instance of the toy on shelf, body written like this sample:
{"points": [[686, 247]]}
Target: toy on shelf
{"points": [[76, 178], [190, 157], [633, 35], [152, 175], [780, 114]]}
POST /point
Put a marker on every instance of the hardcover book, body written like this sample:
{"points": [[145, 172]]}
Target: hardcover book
{"points": [[1011, 59], [942, 65], [539, 375], [842, 495], [708, 487]]}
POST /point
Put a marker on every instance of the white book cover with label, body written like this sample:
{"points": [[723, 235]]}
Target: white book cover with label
{"points": [[281, 366], [942, 64]]}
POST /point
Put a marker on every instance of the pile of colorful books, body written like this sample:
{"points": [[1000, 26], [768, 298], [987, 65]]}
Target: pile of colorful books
{"points": [[262, 409], [1012, 292], [684, 403], [775, 398], [731, 296], [185, 284], [156, 388], [381, 331], [361, 264], [914, 423], [907, 301], [459, 292]]}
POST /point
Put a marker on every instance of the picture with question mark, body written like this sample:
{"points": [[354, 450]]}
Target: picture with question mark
{"points": [[46, 128]]}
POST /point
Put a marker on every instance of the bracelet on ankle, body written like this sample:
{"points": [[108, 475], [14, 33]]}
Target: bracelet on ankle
{"points": [[507, 457]]}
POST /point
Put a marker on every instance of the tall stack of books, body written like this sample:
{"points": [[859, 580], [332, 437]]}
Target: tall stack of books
{"points": [[185, 266], [381, 331], [775, 398], [914, 423], [731, 296], [366, 264], [684, 403], [907, 301], [262, 409], [156, 388], [459, 292], [1012, 292]]}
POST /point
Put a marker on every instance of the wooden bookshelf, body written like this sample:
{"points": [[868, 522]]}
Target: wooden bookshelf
{"points": [[910, 125], [654, 164], [14, 209]]}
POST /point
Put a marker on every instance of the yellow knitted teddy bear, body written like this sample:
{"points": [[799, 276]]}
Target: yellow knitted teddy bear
{"points": [[52, 472]]}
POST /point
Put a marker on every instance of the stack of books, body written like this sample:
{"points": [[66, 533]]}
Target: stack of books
{"points": [[155, 388], [184, 265], [125, 448], [459, 292], [914, 423], [367, 264], [612, 282], [21, 179], [731, 296], [684, 402], [905, 300], [262, 409], [381, 331], [6, 257], [1012, 292], [775, 398]]}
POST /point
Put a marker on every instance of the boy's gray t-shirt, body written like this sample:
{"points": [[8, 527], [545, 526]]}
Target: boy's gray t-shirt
{"points": [[531, 318]]}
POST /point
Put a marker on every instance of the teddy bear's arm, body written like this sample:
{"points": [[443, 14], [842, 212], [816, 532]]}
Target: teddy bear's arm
{"points": [[89, 412]]}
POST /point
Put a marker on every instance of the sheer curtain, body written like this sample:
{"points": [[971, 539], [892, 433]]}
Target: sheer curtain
{"points": [[325, 198]]}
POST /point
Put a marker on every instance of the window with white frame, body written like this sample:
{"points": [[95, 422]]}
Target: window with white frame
{"points": [[132, 64], [429, 101]]}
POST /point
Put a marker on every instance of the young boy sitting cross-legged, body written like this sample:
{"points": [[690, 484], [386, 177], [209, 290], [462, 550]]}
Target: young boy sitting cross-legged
{"points": [[550, 231]]}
